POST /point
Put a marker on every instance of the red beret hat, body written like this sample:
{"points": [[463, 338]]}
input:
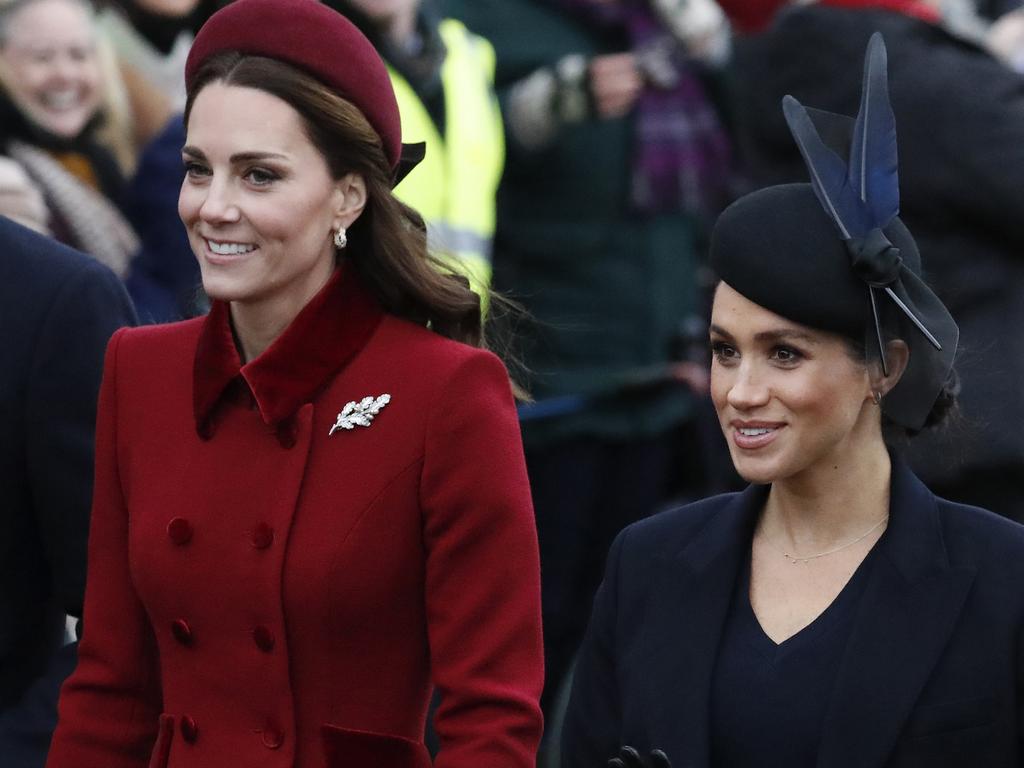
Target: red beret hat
{"points": [[314, 38]]}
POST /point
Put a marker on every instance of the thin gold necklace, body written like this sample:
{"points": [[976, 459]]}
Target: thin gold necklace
{"points": [[794, 559]]}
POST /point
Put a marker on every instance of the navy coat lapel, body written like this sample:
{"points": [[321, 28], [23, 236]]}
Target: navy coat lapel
{"points": [[908, 610], [694, 593]]}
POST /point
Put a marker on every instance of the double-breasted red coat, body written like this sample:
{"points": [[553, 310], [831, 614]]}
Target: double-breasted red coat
{"points": [[262, 592]]}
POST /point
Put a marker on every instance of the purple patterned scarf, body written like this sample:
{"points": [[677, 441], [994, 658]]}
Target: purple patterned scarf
{"points": [[683, 157]]}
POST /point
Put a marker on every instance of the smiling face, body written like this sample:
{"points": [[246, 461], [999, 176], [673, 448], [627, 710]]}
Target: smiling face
{"points": [[258, 200], [51, 66], [790, 399]]}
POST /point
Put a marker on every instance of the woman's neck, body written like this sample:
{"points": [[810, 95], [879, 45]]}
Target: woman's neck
{"points": [[258, 323], [838, 498]]}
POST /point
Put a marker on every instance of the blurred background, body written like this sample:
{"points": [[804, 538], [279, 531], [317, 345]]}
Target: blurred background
{"points": [[578, 154]]}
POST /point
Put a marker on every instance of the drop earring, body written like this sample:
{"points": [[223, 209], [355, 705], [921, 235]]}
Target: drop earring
{"points": [[340, 238]]}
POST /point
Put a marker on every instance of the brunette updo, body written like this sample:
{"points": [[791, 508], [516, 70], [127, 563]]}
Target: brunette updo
{"points": [[944, 413]]}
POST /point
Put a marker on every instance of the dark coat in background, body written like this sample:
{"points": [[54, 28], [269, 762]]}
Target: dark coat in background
{"points": [[931, 675], [960, 119], [164, 280], [58, 308]]}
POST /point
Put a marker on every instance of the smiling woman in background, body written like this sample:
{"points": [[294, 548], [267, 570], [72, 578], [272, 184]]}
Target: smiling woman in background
{"points": [[836, 613], [311, 505], [51, 106]]}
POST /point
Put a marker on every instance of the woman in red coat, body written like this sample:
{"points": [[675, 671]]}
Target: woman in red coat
{"points": [[311, 505]]}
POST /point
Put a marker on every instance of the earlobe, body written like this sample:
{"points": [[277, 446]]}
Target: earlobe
{"points": [[897, 356]]}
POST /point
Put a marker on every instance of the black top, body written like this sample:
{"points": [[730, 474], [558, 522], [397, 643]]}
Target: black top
{"points": [[768, 700]]}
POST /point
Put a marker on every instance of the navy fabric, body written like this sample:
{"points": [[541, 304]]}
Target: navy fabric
{"points": [[58, 308], [768, 699], [164, 281], [932, 669]]}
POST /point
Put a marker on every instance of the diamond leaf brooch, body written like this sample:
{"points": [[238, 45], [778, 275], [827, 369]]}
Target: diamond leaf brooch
{"points": [[361, 413]]}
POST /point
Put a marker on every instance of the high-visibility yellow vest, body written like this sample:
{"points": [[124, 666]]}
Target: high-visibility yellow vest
{"points": [[455, 185]]}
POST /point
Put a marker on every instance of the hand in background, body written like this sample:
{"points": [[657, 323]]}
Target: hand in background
{"points": [[1006, 39], [20, 198], [700, 26], [615, 84]]}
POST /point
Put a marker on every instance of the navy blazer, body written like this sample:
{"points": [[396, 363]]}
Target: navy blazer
{"points": [[58, 308], [931, 675]]}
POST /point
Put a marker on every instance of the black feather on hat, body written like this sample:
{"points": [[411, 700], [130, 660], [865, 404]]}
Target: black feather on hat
{"points": [[834, 255]]}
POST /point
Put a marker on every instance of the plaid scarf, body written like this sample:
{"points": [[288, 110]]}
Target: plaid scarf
{"points": [[682, 157]]}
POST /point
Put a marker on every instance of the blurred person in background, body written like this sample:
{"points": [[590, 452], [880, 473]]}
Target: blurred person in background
{"points": [[960, 112], [443, 77], [617, 159], [51, 110], [151, 39], [58, 308], [163, 278]]}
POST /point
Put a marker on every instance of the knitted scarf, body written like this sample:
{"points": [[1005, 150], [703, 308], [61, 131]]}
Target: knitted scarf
{"points": [[682, 159], [96, 226]]}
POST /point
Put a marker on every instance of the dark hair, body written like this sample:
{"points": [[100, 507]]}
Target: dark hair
{"points": [[388, 243], [944, 413]]}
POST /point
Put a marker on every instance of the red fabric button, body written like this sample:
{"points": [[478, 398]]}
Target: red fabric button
{"points": [[263, 638], [182, 632], [180, 531], [262, 536], [273, 737], [189, 729]]}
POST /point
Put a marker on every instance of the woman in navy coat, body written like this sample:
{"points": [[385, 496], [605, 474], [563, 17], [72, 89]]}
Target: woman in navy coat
{"points": [[836, 613]]}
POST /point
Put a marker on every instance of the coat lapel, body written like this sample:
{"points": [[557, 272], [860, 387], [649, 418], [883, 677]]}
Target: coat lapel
{"points": [[908, 610], [693, 597]]}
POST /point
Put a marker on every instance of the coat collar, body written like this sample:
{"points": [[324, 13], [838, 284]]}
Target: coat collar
{"points": [[325, 335], [910, 606]]}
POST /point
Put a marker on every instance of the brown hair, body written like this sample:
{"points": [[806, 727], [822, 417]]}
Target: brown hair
{"points": [[388, 243]]}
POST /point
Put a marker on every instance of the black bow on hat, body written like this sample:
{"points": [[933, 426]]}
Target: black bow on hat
{"points": [[861, 197], [412, 155]]}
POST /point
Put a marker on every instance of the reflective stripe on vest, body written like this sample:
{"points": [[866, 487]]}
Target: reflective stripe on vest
{"points": [[455, 185]]}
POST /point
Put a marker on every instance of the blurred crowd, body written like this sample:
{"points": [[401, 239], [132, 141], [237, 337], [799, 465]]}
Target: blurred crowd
{"points": [[577, 155]]}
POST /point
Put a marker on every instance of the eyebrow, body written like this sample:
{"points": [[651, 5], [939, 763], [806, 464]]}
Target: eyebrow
{"points": [[781, 334], [240, 157]]}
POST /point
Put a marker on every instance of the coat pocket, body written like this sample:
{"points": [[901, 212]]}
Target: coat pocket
{"points": [[345, 747], [948, 716], [162, 748]]}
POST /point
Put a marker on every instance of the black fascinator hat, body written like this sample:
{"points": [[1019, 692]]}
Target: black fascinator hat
{"points": [[834, 255]]}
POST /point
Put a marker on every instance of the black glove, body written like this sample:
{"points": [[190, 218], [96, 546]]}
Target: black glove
{"points": [[630, 758]]}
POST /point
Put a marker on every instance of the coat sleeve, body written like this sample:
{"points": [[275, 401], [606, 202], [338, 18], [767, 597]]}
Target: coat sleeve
{"points": [[963, 138], [593, 720], [64, 382], [109, 707], [482, 573]]}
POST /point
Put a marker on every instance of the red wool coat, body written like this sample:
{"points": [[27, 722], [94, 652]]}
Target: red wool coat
{"points": [[263, 593]]}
